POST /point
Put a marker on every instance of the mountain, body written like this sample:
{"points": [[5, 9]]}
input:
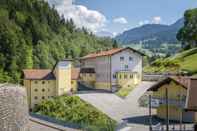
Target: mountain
{"points": [[33, 35], [152, 32]]}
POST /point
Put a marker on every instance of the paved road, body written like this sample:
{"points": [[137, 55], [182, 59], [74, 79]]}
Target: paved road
{"points": [[122, 109]]}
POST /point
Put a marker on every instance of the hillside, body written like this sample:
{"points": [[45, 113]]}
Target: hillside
{"points": [[153, 37], [184, 61], [155, 32], [33, 35]]}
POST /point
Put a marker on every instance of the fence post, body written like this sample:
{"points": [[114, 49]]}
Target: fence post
{"points": [[150, 113]]}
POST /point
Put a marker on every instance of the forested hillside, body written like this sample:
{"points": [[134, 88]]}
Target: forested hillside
{"points": [[186, 60], [33, 35]]}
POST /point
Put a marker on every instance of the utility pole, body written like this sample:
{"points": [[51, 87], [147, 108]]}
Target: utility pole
{"points": [[167, 111], [181, 115], [150, 113]]}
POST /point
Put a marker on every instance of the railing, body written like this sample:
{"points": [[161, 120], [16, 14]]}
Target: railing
{"points": [[162, 101], [174, 127]]}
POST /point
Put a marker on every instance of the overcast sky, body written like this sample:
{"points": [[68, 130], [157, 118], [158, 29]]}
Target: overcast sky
{"points": [[115, 16]]}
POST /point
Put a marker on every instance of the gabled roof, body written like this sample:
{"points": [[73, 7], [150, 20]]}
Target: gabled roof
{"points": [[109, 53], [182, 81], [38, 74]]}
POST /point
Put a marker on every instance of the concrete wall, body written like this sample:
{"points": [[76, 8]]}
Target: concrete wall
{"points": [[13, 109]]}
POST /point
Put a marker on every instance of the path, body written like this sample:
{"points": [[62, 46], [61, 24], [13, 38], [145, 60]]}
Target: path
{"points": [[121, 109]]}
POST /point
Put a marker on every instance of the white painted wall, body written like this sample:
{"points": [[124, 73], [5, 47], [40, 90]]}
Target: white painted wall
{"points": [[135, 65]]}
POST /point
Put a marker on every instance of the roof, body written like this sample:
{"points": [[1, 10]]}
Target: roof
{"points": [[183, 81], [75, 73], [38, 74], [109, 53], [87, 70]]}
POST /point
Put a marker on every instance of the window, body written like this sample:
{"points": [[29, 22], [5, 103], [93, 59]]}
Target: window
{"points": [[125, 76], [35, 105], [48, 90], [35, 97], [120, 76], [72, 82], [130, 58], [48, 81], [114, 76], [131, 76], [43, 90], [36, 82], [126, 66], [43, 97], [36, 90], [121, 58], [43, 82]]}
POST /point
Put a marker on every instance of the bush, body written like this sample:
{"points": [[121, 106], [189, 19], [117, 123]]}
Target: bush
{"points": [[72, 109]]}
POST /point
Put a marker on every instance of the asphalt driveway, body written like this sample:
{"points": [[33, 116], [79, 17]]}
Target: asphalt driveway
{"points": [[121, 109]]}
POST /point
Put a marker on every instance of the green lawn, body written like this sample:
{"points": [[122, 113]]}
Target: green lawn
{"points": [[123, 92], [72, 109], [187, 61]]}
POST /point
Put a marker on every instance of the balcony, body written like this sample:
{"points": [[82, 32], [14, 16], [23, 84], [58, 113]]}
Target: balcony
{"points": [[156, 102]]}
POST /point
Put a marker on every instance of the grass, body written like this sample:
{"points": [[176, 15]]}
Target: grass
{"points": [[71, 109], [124, 91], [187, 61]]}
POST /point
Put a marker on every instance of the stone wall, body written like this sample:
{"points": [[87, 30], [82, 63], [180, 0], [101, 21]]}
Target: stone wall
{"points": [[13, 108]]}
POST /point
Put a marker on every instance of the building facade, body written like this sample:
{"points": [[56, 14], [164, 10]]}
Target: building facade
{"points": [[112, 69], [43, 84], [177, 89]]}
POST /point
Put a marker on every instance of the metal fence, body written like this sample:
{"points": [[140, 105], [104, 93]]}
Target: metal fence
{"points": [[174, 127]]}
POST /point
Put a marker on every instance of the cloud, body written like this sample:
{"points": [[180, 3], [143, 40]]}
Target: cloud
{"points": [[120, 20], [144, 22], [156, 20], [81, 15]]}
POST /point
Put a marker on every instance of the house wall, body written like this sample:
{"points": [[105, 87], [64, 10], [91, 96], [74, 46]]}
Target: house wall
{"points": [[89, 79], [74, 85], [174, 93], [103, 71], [63, 77], [134, 65], [126, 79], [39, 90]]}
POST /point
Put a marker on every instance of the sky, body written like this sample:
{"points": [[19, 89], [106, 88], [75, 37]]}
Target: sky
{"points": [[112, 17]]}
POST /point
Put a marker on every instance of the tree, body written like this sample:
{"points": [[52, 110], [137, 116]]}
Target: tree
{"points": [[188, 34]]}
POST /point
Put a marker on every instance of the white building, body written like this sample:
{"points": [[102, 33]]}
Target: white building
{"points": [[111, 69]]}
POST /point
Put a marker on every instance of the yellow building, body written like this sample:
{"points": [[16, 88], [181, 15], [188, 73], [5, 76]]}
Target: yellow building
{"points": [[176, 88], [42, 84]]}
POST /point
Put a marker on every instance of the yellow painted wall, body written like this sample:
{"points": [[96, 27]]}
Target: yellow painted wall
{"points": [[63, 78], [39, 90], [88, 79], [127, 79], [174, 112], [103, 85], [174, 91], [74, 85]]}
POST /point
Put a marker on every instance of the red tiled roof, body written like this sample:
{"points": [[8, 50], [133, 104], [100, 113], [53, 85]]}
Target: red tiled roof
{"points": [[38, 74], [75, 73], [108, 52]]}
